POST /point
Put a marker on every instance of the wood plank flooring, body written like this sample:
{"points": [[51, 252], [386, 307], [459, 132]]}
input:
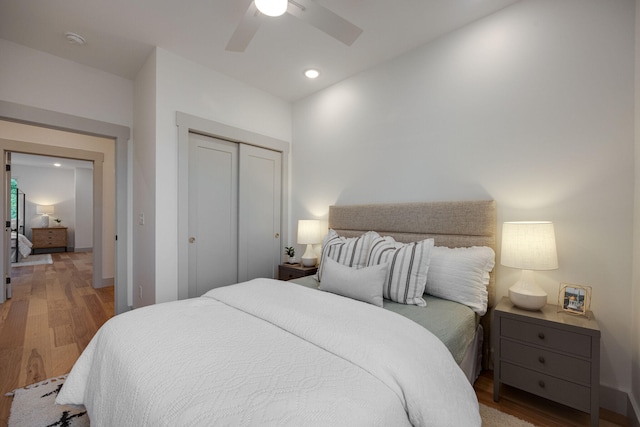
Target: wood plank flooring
{"points": [[52, 316], [54, 313]]}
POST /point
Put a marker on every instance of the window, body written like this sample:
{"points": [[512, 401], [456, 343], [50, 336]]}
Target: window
{"points": [[14, 198]]}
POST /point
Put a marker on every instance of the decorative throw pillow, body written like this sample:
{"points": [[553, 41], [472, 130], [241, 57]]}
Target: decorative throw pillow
{"points": [[351, 252], [408, 266], [461, 275], [363, 284]]}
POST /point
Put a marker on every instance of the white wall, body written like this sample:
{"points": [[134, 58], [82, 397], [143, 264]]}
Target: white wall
{"points": [[144, 186], [635, 321], [181, 85], [47, 186], [532, 107], [84, 209], [38, 79]]}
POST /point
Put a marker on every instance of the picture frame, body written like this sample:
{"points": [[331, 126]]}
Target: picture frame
{"points": [[575, 299]]}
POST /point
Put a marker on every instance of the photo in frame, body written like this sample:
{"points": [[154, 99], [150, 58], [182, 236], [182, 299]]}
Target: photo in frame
{"points": [[574, 299]]}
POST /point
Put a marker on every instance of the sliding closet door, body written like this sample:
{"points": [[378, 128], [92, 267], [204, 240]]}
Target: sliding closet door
{"points": [[213, 213], [260, 212]]}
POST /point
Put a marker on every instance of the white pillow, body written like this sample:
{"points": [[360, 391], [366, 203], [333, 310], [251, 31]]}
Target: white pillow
{"points": [[363, 284], [352, 252], [408, 267], [461, 275]]}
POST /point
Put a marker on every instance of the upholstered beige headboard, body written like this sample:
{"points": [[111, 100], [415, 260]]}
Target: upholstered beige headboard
{"points": [[452, 224]]}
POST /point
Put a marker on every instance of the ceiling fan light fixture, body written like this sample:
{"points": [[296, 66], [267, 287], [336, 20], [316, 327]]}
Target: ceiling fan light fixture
{"points": [[311, 73], [272, 7]]}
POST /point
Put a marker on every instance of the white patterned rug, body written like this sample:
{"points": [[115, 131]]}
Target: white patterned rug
{"points": [[34, 406], [34, 260]]}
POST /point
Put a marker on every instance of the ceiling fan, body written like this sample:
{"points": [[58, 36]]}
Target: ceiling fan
{"points": [[307, 10]]}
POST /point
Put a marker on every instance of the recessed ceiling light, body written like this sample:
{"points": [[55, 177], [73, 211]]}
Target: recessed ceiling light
{"points": [[57, 165], [312, 73], [73, 38]]}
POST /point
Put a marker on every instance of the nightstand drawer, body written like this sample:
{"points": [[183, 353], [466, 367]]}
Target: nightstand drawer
{"points": [[547, 337], [561, 391], [537, 359], [294, 271]]}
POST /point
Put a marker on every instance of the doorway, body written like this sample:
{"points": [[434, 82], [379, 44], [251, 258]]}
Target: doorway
{"points": [[46, 119]]}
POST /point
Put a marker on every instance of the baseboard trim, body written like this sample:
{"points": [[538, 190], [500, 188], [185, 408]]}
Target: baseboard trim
{"points": [[83, 249], [633, 411], [109, 281], [619, 402]]}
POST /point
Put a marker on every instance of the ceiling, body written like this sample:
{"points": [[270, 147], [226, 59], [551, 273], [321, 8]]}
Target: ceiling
{"points": [[120, 35]]}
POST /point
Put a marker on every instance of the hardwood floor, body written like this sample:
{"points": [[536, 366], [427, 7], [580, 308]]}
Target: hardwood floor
{"points": [[54, 313], [538, 411], [52, 316]]}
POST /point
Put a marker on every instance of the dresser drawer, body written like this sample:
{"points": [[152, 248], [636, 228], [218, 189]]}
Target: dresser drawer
{"points": [[547, 337], [43, 238], [544, 361], [561, 391]]}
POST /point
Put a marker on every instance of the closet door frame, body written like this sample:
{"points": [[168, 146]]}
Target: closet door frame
{"points": [[192, 124]]}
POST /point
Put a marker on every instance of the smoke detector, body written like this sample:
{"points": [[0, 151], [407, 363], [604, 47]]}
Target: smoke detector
{"points": [[73, 38]]}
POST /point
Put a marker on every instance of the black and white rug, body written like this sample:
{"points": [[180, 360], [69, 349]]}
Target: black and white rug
{"points": [[37, 259], [34, 406]]}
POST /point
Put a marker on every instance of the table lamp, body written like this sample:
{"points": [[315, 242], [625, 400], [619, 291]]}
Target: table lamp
{"points": [[309, 234], [45, 211], [528, 245]]}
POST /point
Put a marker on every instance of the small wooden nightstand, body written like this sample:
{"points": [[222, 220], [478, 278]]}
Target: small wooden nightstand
{"points": [[48, 238], [552, 354], [294, 271]]}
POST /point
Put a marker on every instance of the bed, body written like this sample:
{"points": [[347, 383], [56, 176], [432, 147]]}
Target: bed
{"points": [[267, 352], [20, 244]]}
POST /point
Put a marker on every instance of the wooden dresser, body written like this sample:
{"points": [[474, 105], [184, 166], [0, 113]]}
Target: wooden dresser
{"points": [[48, 238], [555, 355]]}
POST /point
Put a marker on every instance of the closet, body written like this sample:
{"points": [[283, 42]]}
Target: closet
{"points": [[234, 213]]}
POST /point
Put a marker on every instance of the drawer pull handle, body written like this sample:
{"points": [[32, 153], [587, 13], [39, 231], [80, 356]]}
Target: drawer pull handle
{"points": [[541, 359], [541, 384], [541, 335]]}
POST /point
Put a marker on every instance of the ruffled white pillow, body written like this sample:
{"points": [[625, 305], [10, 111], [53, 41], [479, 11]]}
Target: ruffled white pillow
{"points": [[461, 275]]}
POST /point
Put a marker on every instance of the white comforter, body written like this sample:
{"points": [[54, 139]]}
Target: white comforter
{"points": [[267, 352]]}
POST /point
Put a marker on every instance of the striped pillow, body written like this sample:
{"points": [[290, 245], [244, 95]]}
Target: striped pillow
{"points": [[408, 266], [352, 252]]}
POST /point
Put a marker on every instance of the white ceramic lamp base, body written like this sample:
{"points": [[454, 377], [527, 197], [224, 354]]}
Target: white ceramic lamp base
{"points": [[309, 258], [44, 221], [527, 294]]}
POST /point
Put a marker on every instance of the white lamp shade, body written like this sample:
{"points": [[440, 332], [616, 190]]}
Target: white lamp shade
{"points": [[45, 209], [272, 7], [529, 245], [309, 232]]}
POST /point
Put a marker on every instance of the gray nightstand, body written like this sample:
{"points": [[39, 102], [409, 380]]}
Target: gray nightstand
{"points": [[552, 354]]}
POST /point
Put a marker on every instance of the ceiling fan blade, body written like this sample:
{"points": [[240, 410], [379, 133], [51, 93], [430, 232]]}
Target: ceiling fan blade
{"points": [[325, 20], [245, 30]]}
